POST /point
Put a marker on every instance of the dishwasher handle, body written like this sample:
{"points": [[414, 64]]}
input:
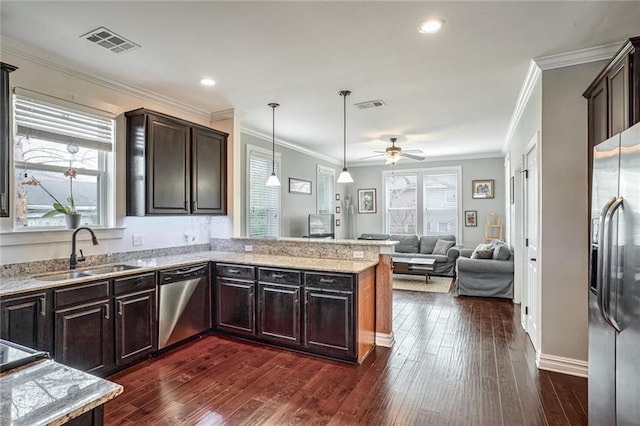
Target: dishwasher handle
{"points": [[182, 274]]}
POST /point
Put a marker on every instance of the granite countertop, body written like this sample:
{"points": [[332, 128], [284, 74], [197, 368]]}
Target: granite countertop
{"points": [[383, 243], [49, 393], [22, 284]]}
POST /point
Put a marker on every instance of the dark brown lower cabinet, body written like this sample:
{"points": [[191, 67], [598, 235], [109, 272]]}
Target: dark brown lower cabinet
{"points": [[279, 313], [84, 337], [135, 326], [94, 417], [25, 320], [236, 306], [329, 322]]}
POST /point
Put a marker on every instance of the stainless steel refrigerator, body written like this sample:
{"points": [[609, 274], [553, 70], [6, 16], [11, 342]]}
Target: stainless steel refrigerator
{"points": [[614, 288]]}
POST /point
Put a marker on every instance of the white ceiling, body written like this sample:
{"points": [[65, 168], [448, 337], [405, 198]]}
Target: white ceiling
{"points": [[452, 93]]}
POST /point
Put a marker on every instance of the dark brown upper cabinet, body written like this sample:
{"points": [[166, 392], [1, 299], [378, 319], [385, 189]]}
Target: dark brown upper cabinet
{"points": [[614, 96], [174, 167]]}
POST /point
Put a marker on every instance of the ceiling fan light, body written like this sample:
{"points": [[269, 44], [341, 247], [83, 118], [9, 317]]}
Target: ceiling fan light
{"points": [[273, 180], [393, 159], [345, 176]]}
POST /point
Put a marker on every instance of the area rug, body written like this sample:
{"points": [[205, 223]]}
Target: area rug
{"points": [[415, 283]]}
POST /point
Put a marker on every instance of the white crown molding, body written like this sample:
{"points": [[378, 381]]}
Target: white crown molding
{"points": [[295, 147], [14, 48], [573, 367], [226, 114], [578, 57], [533, 73]]}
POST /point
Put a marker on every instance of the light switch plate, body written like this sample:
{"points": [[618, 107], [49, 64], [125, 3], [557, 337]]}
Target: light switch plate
{"points": [[137, 240], [358, 255]]}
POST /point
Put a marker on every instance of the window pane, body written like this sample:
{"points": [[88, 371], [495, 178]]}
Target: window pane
{"points": [[32, 202], [325, 189], [264, 201], [37, 151], [402, 202], [440, 199]]}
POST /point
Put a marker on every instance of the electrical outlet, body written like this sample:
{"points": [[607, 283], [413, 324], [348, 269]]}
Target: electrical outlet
{"points": [[137, 240], [358, 255], [248, 248]]}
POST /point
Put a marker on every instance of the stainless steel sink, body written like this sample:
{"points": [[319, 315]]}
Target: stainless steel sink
{"points": [[109, 269], [60, 276]]}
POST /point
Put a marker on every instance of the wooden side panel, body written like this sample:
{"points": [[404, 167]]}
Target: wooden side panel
{"points": [[384, 295], [366, 331]]}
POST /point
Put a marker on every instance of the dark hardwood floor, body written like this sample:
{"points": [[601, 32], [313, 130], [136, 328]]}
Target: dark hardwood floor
{"points": [[457, 361]]}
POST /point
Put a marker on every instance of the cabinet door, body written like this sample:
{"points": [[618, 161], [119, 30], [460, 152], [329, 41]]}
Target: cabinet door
{"points": [[329, 323], [84, 337], [598, 115], [236, 306], [208, 172], [617, 85], [135, 326], [167, 167], [279, 313], [25, 321]]}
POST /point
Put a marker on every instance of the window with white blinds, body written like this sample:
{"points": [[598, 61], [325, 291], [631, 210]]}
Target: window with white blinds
{"points": [[263, 219], [325, 178], [431, 191], [51, 138], [440, 198]]}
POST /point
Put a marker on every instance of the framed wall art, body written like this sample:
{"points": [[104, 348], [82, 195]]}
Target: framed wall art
{"points": [[482, 188], [299, 186], [470, 218], [367, 200]]}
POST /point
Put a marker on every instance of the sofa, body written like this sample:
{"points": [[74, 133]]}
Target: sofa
{"points": [[485, 277], [412, 246]]}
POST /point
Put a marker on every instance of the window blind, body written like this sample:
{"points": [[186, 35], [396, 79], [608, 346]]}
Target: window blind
{"points": [[264, 201], [41, 119]]}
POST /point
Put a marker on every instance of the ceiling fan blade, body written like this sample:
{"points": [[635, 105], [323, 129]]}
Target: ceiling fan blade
{"points": [[413, 151], [413, 157], [374, 156]]}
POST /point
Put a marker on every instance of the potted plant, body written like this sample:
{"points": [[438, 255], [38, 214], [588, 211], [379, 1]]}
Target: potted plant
{"points": [[69, 210]]}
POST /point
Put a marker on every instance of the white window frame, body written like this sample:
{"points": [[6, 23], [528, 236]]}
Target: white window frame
{"points": [[324, 170], [278, 159], [420, 201]]}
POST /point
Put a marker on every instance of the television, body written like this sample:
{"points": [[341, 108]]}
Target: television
{"points": [[321, 226]]}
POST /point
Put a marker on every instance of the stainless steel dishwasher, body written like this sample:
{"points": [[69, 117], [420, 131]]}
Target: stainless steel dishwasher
{"points": [[185, 303]]}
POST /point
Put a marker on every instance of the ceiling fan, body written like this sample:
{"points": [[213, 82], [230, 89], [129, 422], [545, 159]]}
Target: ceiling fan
{"points": [[395, 153]]}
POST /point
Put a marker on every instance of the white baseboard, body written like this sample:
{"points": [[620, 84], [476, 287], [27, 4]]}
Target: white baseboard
{"points": [[573, 367], [385, 340]]}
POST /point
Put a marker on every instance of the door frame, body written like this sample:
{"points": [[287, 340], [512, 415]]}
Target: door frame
{"points": [[534, 335]]}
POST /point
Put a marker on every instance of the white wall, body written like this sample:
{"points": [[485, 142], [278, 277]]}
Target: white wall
{"points": [[472, 169], [157, 232]]}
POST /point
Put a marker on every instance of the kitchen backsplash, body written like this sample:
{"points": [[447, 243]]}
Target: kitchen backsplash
{"points": [[37, 267]]}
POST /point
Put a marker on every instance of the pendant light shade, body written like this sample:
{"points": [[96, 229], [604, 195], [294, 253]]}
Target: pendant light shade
{"points": [[345, 176], [273, 179]]}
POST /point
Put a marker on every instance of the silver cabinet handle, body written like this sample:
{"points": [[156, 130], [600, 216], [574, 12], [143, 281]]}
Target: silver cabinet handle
{"points": [[120, 307], [234, 271], [326, 280], [43, 306], [277, 276], [107, 315]]}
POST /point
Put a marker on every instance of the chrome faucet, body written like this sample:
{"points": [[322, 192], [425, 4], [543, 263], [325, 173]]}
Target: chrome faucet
{"points": [[74, 259]]}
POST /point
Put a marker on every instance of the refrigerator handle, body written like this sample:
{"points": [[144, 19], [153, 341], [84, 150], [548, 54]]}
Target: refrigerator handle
{"points": [[603, 250], [606, 282]]}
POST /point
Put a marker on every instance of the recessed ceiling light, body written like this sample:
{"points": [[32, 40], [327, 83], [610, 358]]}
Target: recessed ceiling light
{"points": [[431, 26], [208, 82]]}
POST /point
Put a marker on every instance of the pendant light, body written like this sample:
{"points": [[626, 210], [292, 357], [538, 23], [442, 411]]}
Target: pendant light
{"points": [[273, 179], [345, 176]]}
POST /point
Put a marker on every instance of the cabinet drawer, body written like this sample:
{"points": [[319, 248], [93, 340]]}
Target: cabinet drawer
{"points": [[81, 293], [241, 272], [135, 283], [329, 281], [278, 276]]}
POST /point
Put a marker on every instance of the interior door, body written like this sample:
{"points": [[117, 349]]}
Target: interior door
{"points": [[531, 244]]}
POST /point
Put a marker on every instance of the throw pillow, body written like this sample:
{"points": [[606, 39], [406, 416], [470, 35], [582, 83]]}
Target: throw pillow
{"points": [[482, 251], [501, 251], [406, 244], [442, 246]]}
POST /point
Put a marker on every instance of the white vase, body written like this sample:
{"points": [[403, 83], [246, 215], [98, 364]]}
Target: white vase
{"points": [[73, 220]]}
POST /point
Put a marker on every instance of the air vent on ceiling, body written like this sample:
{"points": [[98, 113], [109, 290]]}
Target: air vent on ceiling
{"points": [[110, 40], [371, 104]]}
